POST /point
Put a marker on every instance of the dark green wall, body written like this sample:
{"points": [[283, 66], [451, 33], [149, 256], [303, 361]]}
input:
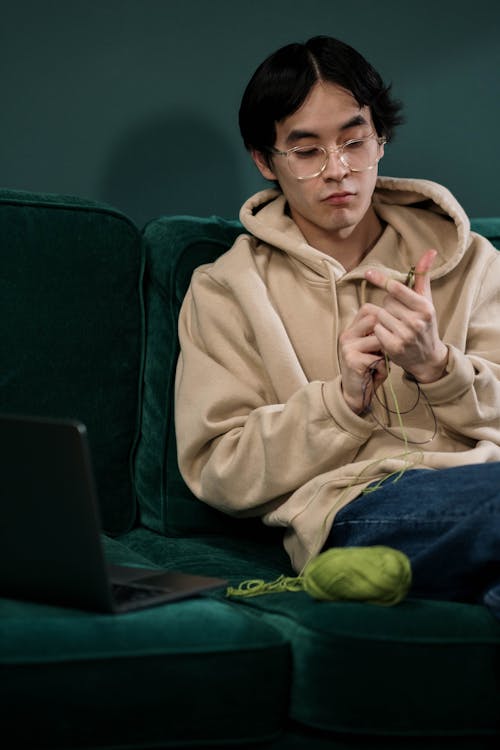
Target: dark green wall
{"points": [[135, 101]]}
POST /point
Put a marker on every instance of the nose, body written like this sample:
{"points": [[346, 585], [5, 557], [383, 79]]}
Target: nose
{"points": [[335, 169]]}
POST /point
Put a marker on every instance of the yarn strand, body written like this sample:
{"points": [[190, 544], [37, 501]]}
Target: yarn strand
{"points": [[257, 587]]}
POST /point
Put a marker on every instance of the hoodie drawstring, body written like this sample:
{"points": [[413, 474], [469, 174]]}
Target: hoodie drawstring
{"points": [[335, 317]]}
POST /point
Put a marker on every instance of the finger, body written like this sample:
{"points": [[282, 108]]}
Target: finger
{"points": [[390, 341], [364, 321], [368, 344], [422, 279], [377, 278], [422, 273], [391, 286], [400, 298]]}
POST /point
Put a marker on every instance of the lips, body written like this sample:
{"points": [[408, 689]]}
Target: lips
{"points": [[339, 199]]}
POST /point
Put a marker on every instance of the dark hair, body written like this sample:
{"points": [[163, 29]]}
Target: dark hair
{"points": [[282, 82]]}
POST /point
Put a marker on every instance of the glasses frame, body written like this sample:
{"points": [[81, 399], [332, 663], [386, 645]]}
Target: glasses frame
{"points": [[327, 151]]}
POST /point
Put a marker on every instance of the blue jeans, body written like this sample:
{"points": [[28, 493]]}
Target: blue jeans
{"points": [[447, 522]]}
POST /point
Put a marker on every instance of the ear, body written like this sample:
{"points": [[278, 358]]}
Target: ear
{"points": [[263, 165]]}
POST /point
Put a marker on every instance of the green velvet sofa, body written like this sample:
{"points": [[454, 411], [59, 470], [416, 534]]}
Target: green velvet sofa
{"points": [[89, 306]]}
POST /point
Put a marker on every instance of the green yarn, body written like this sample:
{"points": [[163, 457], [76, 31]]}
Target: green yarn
{"points": [[256, 586], [377, 575]]}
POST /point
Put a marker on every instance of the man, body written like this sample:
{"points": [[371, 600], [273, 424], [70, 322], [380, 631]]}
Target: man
{"points": [[340, 366]]}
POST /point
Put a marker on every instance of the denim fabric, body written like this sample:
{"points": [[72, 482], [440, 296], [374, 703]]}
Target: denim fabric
{"points": [[447, 522]]}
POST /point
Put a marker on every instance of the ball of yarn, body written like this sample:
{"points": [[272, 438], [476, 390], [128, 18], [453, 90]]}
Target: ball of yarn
{"points": [[378, 575]]}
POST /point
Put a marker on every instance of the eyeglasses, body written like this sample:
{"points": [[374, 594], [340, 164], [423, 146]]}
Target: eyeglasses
{"points": [[357, 155]]}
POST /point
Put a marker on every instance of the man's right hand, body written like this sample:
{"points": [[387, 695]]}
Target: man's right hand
{"points": [[362, 364]]}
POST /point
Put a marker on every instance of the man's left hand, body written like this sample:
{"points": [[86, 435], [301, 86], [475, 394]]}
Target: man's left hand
{"points": [[406, 324]]}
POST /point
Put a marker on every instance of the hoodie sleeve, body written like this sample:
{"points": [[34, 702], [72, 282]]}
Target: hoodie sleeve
{"points": [[466, 401], [239, 448]]}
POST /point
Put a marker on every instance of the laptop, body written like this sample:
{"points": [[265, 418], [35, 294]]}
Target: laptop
{"points": [[51, 547]]}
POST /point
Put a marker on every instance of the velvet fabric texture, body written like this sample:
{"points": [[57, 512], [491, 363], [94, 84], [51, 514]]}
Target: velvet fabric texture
{"points": [[154, 678], [175, 246], [70, 289], [275, 672], [420, 668], [179, 675], [371, 670]]}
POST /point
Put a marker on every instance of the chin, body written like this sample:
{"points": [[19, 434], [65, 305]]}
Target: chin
{"points": [[338, 223]]}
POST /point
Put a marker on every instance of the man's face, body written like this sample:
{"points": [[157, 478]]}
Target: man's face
{"points": [[330, 206]]}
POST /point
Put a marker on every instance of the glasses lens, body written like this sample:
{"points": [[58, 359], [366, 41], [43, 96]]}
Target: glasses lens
{"points": [[307, 161], [361, 155]]}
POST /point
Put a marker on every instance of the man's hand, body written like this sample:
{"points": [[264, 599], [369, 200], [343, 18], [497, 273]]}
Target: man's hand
{"points": [[363, 366], [406, 326]]}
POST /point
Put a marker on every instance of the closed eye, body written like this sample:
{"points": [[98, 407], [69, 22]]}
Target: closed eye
{"points": [[353, 145], [307, 152]]}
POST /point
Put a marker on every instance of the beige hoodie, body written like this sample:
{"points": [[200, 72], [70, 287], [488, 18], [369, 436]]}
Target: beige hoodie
{"points": [[262, 426]]}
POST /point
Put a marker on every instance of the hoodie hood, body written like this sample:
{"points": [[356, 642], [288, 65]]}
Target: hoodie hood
{"points": [[398, 203]]}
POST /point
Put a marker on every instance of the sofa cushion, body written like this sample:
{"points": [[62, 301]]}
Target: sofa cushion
{"points": [[420, 668], [233, 558], [179, 674], [72, 329], [175, 246]]}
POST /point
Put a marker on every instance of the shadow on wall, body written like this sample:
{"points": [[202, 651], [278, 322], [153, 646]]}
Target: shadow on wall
{"points": [[173, 165]]}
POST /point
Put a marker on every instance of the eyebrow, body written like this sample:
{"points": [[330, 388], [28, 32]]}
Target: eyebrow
{"points": [[353, 122], [298, 135]]}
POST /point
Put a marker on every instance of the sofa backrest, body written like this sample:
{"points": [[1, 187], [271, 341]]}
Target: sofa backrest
{"points": [[175, 246], [74, 343], [72, 328], [488, 227]]}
